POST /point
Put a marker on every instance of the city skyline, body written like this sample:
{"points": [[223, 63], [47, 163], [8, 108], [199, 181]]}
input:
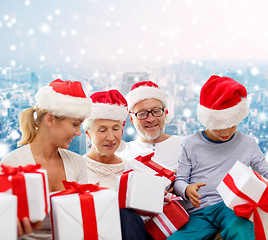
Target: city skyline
{"points": [[181, 82]]}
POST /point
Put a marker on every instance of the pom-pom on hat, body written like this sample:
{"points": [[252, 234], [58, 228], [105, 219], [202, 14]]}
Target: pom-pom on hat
{"points": [[64, 99], [145, 90], [223, 103], [107, 105]]}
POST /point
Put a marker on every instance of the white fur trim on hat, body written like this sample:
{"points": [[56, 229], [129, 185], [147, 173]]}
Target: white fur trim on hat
{"points": [[109, 111], [106, 111], [62, 105], [222, 119], [145, 92]]}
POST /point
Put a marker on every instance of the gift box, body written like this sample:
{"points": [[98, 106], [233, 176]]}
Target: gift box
{"points": [[8, 216], [85, 212], [163, 225], [29, 183], [142, 192], [145, 164], [246, 192]]}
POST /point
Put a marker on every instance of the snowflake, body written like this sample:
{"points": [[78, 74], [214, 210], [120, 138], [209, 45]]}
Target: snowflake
{"points": [[27, 3], [73, 32], [83, 51], [42, 58], [143, 28], [130, 131], [44, 28], [6, 103], [239, 71], [14, 135], [108, 24], [67, 59], [187, 113], [254, 71], [111, 8], [57, 12], [13, 47], [12, 62], [63, 33], [49, 17]]}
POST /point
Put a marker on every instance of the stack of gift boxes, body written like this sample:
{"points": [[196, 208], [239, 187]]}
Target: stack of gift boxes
{"points": [[142, 188]]}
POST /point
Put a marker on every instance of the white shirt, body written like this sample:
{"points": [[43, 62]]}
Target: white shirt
{"points": [[166, 152]]}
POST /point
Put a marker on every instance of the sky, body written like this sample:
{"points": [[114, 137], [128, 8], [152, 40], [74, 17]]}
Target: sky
{"points": [[80, 35]]}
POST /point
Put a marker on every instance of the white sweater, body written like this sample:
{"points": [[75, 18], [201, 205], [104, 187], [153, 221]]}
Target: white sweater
{"points": [[104, 174]]}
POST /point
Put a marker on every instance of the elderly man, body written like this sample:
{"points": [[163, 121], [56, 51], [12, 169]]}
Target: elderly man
{"points": [[147, 105]]}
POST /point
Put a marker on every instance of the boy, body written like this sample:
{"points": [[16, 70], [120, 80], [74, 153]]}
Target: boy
{"points": [[207, 156]]}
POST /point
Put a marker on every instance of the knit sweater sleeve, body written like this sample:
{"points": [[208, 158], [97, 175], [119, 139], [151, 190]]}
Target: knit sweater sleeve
{"points": [[183, 173]]}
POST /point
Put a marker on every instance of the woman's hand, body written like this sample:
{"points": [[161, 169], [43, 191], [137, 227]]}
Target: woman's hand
{"points": [[192, 194], [26, 227]]}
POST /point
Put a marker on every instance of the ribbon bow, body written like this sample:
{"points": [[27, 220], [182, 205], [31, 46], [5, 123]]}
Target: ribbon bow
{"points": [[161, 171], [11, 171], [74, 187], [247, 209]]}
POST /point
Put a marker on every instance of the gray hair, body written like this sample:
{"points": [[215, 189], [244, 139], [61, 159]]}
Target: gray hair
{"points": [[87, 124]]}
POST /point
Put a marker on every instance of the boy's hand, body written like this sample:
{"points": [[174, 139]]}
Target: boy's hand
{"points": [[26, 227], [192, 194]]}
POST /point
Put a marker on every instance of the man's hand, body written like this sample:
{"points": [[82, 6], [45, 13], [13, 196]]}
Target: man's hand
{"points": [[26, 227], [192, 194]]}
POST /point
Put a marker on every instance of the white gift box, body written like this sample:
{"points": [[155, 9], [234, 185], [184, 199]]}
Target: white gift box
{"points": [[143, 192], [67, 216], [249, 184], [141, 167], [37, 193], [8, 216]]}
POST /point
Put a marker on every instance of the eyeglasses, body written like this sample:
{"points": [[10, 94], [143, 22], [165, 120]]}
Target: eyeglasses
{"points": [[157, 112]]}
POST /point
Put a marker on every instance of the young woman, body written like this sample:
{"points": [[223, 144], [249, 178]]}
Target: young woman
{"points": [[105, 129], [47, 130]]}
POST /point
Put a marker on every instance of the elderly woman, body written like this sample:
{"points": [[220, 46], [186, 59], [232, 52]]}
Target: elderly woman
{"points": [[105, 129], [47, 130]]}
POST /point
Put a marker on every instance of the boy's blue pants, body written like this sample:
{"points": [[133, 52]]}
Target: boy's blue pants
{"points": [[205, 223]]}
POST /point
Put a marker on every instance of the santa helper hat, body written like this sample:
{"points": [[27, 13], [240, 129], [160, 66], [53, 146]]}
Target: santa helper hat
{"points": [[109, 105], [145, 90], [64, 99], [223, 103]]}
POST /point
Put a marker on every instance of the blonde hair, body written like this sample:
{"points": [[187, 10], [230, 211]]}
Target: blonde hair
{"points": [[29, 124]]}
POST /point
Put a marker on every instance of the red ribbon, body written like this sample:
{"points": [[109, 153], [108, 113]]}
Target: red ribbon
{"points": [[19, 188], [122, 191], [247, 209], [161, 171], [5, 184], [87, 206]]}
